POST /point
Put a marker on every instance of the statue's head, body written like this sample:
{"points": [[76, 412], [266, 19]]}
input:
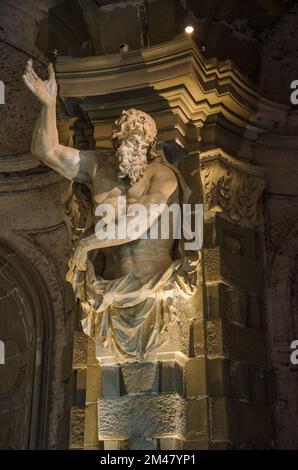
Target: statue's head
{"points": [[134, 139]]}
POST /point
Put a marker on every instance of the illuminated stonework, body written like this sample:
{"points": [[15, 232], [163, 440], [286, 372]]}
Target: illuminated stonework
{"points": [[231, 187], [207, 114]]}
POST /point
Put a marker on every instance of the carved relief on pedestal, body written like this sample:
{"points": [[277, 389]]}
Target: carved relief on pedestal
{"points": [[231, 187]]}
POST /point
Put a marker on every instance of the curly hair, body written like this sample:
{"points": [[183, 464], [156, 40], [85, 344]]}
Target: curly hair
{"points": [[133, 121]]}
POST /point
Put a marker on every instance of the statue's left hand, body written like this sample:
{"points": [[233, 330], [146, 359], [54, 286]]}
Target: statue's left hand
{"points": [[45, 91]]}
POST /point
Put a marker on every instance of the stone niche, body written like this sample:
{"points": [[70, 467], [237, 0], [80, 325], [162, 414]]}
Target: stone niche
{"points": [[198, 394], [25, 332]]}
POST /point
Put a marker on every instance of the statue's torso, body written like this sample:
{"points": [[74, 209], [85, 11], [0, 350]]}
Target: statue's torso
{"points": [[143, 257]]}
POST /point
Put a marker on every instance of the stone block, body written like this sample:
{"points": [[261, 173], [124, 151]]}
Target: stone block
{"points": [[111, 384], [235, 342], [197, 419], [80, 398], [224, 266], [251, 424], [77, 424], [170, 443], [80, 349], [140, 443], [197, 337], [81, 379], [91, 352], [239, 386], [90, 432], [140, 377], [219, 419], [215, 299], [113, 445], [195, 377], [94, 383], [235, 305], [235, 238], [195, 445], [142, 416], [215, 338], [232, 242], [217, 377], [227, 302], [172, 377]]}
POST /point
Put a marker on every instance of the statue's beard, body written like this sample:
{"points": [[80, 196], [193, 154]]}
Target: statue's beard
{"points": [[132, 162]]}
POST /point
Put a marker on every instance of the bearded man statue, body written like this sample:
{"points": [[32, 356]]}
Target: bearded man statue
{"points": [[129, 286]]}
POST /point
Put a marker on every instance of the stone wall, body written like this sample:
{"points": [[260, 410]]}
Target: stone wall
{"points": [[33, 235]]}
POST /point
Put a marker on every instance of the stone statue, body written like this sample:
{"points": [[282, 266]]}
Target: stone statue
{"points": [[126, 286]]}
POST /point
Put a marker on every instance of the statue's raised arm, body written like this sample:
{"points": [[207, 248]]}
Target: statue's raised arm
{"points": [[69, 162]]}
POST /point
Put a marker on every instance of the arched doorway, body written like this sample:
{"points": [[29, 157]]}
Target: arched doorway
{"points": [[25, 330]]}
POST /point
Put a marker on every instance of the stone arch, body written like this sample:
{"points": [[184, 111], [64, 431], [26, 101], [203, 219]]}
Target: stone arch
{"points": [[26, 329], [282, 302]]}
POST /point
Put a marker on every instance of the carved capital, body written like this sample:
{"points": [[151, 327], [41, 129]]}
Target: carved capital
{"points": [[231, 187]]}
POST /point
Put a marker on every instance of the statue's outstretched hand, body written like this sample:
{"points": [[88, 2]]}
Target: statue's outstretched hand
{"points": [[45, 91]]}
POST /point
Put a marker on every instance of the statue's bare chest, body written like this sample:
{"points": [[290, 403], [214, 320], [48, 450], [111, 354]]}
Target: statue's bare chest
{"points": [[107, 187]]}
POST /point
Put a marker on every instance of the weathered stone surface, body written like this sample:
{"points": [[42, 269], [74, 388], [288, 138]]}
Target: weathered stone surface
{"points": [[141, 416], [111, 381], [142, 444], [172, 377], [195, 377], [229, 340], [239, 381], [113, 445], [197, 416], [80, 349], [94, 383], [197, 337], [90, 429], [140, 377], [218, 377], [219, 419], [251, 425], [77, 426], [221, 265], [195, 445], [170, 443], [227, 302]]}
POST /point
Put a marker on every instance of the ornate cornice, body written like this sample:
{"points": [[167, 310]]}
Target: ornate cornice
{"points": [[171, 79], [231, 187]]}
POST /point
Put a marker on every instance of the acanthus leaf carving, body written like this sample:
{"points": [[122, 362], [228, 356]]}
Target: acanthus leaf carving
{"points": [[231, 187]]}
